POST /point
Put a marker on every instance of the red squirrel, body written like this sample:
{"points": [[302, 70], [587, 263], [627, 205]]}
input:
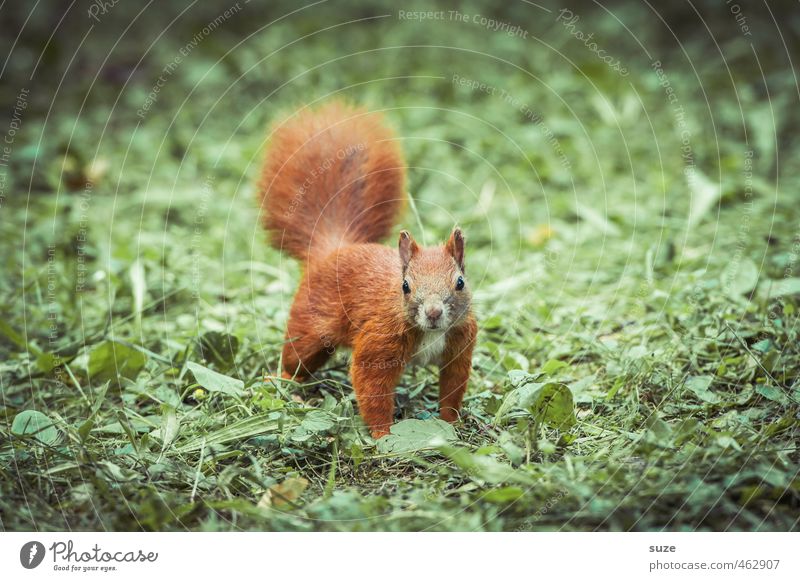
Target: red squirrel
{"points": [[333, 185]]}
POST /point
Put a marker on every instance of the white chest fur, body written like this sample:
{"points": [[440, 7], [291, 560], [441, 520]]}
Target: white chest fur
{"points": [[430, 348]]}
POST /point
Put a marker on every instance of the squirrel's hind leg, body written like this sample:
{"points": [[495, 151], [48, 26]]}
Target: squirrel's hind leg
{"points": [[309, 340], [305, 350], [303, 356]]}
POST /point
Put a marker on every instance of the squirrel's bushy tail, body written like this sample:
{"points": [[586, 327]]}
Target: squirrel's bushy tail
{"points": [[333, 176]]}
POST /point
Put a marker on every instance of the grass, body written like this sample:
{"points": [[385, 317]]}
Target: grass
{"points": [[636, 286]]}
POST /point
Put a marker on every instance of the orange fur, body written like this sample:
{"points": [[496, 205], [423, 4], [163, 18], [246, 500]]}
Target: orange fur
{"points": [[351, 291], [332, 176]]}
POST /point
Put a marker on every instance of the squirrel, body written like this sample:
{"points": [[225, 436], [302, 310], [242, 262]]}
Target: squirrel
{"points": [[332, 187]]}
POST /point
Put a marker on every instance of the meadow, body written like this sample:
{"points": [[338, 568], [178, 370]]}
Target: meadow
{"points": [[630, 201]]}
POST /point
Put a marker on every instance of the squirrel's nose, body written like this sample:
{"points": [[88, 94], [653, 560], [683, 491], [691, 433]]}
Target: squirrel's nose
{"points": [[433, 313]]}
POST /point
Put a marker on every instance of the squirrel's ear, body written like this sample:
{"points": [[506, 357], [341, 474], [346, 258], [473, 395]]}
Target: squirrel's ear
{"points": [[408, 248], [455, 247]]}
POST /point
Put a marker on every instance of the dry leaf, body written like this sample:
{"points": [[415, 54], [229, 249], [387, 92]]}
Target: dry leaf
{"points": [[284, 494]]}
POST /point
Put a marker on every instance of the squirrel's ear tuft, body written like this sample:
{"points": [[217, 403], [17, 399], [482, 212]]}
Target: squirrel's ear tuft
{"points": [[455, 247], [408, 248]]}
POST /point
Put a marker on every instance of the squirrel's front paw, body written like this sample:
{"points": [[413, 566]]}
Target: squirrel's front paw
{"points": [[377, 434], [449, 415]]}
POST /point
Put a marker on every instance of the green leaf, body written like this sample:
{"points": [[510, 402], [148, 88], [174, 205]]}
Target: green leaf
{"points": [[118, 473], [215, 382], [518, 377], [780, 288], [550, 403], [485, 468], [504, 494], [596, 220], [686, 430], [507, 445], [740, 278], [552, 366], [580, 389], [699, 385], [218, 348], [37, 425], [138, 289], [762, 346], [514, 360], [269, 404], [493, 322], [704, 194], [170, 425], [317, 421], [771, 393], [356, 453], [637, 352], [46, 362], [413, 435], [727, 440], [85, 428], [235, 432], [111, 360], [9, 332], [546, 447], [659, 428]]}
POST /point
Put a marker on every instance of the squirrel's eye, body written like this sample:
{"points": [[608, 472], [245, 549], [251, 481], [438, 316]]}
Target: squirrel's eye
{"points": [[406, 288], [460, 283]]}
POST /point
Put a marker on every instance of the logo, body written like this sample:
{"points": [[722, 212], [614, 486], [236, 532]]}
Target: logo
{"points": [[31, 554]]}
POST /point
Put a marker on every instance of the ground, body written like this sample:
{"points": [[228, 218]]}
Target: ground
{"points": [[633, 244]]}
